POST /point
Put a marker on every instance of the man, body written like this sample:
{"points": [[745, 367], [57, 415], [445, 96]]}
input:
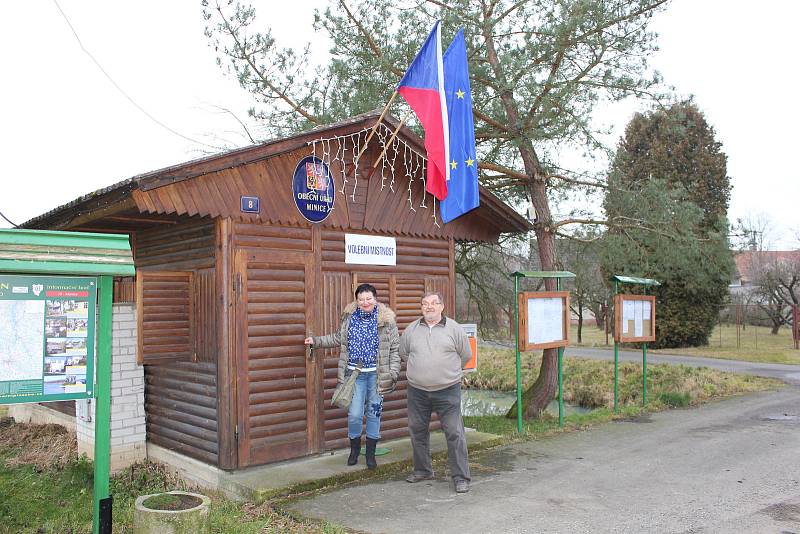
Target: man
{"points": [[436, 348]]}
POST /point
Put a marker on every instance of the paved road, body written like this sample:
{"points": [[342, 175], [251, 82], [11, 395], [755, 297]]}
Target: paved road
{"points": [[726, 467], [788, 373]]}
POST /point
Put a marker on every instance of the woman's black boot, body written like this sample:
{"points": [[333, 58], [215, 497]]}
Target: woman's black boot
{"points": [[371, 444], [355, 450]]}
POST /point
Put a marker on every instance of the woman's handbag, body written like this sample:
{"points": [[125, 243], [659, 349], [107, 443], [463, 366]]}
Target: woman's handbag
{"points": [[343, 394]]}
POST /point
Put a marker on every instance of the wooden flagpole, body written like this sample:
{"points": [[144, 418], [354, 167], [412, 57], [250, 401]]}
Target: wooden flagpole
{"points": [[389, 142], [375, 126]]}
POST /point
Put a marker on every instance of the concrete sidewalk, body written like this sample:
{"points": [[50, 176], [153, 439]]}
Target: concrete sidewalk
{"points": [[726, 467], [259, 483]]}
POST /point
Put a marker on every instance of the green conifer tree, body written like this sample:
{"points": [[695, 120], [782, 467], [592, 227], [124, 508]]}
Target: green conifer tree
{"points": [[669, 190]]}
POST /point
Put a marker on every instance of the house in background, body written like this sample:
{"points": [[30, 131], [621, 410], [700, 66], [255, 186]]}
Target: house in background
{"points": [[750, 263], [209, 361], [766, 289]]}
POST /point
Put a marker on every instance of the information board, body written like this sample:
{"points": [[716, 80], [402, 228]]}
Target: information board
{"points": [[543, 319], [47, 327], [634, 318]]}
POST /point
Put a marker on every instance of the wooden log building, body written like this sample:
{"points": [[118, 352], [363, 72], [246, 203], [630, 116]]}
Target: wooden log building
{"points": [[224, 298]]}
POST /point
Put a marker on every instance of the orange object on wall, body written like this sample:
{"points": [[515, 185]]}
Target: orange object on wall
{"points": [[472, 333]]}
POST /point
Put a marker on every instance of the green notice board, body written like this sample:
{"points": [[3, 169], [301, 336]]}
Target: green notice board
{"points": [[47, 336]]}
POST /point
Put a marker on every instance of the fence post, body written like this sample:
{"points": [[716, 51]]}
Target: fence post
{"points": [[738, 326]]}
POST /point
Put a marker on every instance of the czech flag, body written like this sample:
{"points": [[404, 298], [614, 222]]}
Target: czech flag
{"points": [[424, 90], [462, 189]]}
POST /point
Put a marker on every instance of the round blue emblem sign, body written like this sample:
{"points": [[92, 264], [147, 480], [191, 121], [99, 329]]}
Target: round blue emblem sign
{"points": [[313, 189]]}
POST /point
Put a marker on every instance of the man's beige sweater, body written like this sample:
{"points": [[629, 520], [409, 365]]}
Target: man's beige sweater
{"points": [[434, 354]]}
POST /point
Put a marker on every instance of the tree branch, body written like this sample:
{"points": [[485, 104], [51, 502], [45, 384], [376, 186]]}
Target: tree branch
{"points": [[504, 170], [578, 182], [248, 58], [376, 50]]}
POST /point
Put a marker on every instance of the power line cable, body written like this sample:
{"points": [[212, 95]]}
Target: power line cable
{"points": [[140, 108], [9, 222]]}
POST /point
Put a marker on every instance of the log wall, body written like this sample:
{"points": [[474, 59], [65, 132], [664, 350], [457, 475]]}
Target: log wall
{"points": [[181, 396]]}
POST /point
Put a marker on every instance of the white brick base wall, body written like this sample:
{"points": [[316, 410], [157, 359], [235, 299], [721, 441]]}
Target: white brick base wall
{"points": [[128, 432]]}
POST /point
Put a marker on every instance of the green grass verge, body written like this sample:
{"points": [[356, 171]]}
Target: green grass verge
{"points": [[547, 424], [590, 383]]}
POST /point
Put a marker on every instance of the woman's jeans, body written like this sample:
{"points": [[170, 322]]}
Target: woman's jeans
{"points": [[365, 398]]}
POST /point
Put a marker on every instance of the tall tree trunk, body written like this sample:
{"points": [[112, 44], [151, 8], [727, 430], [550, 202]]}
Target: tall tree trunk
{"points": [[538, 395], [580, 322], [543, 390]]}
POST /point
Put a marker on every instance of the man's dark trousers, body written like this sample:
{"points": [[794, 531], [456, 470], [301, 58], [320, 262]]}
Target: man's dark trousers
{"points": [[447, 404]]}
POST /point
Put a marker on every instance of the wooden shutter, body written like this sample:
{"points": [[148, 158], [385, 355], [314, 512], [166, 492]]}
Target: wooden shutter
{"points": [[165, 315]]}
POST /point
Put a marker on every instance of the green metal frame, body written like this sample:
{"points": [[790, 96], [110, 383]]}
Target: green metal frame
{"points": [[558, 275], [105, 256], [617, 280]]}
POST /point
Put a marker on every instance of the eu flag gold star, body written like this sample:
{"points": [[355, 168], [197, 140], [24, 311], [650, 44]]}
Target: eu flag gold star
{"points": [[460, 94], [453, 164], [470, 162]]}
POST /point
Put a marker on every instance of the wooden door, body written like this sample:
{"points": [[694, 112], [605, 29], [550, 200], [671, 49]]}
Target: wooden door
{"points": [[278, 395]]}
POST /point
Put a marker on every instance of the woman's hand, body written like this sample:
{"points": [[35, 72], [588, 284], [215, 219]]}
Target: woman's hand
{"points": [[309, 341]]}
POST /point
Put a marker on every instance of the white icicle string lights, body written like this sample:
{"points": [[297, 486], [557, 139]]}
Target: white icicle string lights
{"points": [[356, 152], [409, 174], [381, 134], [395, 151], [414, 162], [341, 148]]}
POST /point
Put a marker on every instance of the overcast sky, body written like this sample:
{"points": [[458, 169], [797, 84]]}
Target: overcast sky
{"points": [[66, 130]]}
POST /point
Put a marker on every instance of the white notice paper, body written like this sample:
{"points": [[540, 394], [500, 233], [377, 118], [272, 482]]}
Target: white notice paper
{"points": [[637, 323], [646, 311], [545, 321], [627, 314]]}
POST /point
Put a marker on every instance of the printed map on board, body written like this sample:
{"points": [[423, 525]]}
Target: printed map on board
{"points": [[21, 339]]}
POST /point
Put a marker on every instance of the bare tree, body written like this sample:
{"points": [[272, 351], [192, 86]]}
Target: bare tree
{"points": [[776, 277]]}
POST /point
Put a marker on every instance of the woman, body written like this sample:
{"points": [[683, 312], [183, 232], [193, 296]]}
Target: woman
{"points": [[367, 339]]}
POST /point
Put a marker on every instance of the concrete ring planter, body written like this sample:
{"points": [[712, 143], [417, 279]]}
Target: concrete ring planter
{"points": [[193, 519]]}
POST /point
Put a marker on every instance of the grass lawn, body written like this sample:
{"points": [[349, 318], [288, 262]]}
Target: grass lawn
{"points": [[591, 336], [754, 344]]}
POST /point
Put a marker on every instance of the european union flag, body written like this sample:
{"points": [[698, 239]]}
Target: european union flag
{"points": [[462, 188]]}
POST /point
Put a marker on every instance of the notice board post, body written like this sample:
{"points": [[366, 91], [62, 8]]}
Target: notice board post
{"points": [[549, 339], [50, 282], [634, 322]]}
